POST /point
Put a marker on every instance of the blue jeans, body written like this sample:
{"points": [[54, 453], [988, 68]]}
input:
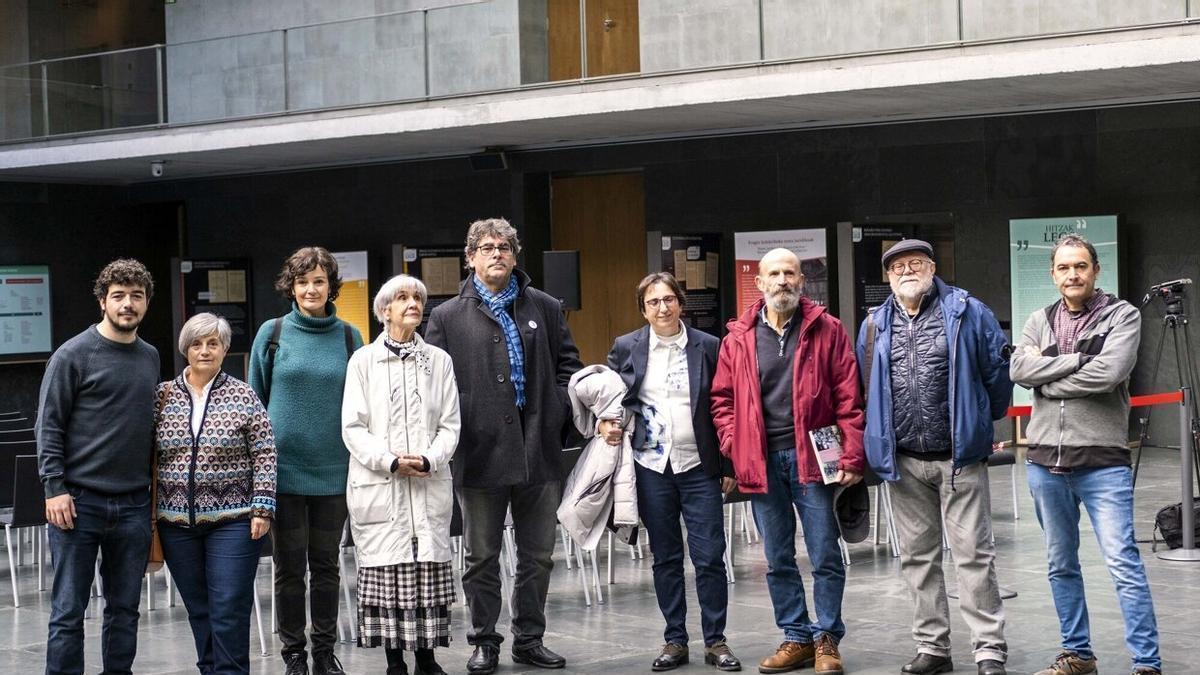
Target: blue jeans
{"points": [[118, 528], [777, 521], [214, 570], [1107, 494], [662, 498]]}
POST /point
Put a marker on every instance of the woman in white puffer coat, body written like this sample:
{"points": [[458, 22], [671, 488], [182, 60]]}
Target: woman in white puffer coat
{"points": [[400, 420]]}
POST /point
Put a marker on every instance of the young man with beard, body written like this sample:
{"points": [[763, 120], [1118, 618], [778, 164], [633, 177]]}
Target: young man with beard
{"points": [[95, 436], [785, 368], [1077, 355], [938, 377]]}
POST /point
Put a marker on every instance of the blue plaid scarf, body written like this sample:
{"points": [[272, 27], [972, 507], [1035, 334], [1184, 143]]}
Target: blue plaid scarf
{"points": [[500, 304]]}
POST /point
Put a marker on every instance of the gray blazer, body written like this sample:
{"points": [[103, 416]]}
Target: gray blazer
{"points": [[500, 444]]}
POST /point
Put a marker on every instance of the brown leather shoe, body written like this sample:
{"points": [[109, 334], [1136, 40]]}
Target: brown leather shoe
{"points": [[790, 656], [1070, 663], [828, 661]]}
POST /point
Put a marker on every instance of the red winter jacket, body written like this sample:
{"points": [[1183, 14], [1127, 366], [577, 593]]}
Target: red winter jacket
{"points": [[824, 392]]}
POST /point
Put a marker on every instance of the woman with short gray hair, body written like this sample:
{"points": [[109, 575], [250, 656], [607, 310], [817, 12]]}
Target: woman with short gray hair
{"points": [[215, 493], [400, 421]]}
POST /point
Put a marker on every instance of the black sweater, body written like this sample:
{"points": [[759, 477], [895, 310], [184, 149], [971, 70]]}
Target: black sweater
{"points": [[95, 426]]}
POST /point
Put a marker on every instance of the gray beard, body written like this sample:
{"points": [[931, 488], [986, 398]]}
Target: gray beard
{"points": [[783, 303]]}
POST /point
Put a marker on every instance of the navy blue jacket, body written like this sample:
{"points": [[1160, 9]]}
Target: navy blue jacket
{"points": [[980, 388], [628, 358]]}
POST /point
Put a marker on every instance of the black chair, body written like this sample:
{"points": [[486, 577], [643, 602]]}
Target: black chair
{"points": [[1006, 455], [28, 510], [11, 435], [8, 454], [12, 423]]}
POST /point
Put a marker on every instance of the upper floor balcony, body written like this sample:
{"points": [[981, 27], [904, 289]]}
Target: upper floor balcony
{"points": [[587, 70]]}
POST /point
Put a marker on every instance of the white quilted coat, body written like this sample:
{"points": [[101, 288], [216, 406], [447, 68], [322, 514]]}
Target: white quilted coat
{"points": [[603, 479]]}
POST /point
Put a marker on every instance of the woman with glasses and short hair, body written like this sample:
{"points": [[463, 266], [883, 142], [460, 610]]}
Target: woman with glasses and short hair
{"points": [[668, 368]]}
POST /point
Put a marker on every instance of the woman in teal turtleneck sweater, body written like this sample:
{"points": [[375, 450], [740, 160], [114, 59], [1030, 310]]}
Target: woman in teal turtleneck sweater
{"points": [[303, 392]]}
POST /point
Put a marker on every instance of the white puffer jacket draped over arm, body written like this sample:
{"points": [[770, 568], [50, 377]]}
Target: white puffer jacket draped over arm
{"points": [[603, 479]]}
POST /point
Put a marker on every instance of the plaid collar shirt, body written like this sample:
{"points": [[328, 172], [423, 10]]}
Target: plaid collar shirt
{"points": [[1068, 325]]}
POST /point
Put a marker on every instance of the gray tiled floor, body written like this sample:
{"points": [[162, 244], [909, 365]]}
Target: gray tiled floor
{"points": [[624, 633]]}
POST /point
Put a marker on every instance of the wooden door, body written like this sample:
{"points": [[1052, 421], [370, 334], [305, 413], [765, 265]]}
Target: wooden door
{"points": [[612, 38], [603, 217]]}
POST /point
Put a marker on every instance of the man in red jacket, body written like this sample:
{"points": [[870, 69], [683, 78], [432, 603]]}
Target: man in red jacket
{"points": [[786, 368]]}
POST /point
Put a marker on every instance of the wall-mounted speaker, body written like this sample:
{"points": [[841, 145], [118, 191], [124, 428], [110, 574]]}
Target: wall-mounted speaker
{"points": [[560, 270]]}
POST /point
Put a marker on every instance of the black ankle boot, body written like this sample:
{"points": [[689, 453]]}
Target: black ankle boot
{"points": [[395, 661], [426, 665]]}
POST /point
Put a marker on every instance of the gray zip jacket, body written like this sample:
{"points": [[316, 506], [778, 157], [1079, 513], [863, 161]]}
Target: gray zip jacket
{"points": [[1080, 400]]}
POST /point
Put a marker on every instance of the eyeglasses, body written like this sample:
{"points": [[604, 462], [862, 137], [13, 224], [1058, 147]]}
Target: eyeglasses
{"points": [[489, 249], [916, 265], [667, 301]]}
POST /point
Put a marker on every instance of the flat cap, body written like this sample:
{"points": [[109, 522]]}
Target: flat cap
{"points": [[907, 246]]}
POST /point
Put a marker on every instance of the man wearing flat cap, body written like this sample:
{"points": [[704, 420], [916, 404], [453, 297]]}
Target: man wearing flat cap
{"points": [[935, 369]]}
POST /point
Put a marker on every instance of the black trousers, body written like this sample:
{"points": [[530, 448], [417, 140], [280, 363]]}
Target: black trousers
{"points": [[534, 517], [307, 536]]}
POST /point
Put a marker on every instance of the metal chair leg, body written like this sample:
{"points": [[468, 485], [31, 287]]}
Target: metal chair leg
{"points": [[587, 592], [12, 568], [611, 574], [1016, 504], [262, 637]]}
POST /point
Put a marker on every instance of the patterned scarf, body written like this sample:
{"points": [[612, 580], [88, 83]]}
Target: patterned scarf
{"points": [[501, 304]]}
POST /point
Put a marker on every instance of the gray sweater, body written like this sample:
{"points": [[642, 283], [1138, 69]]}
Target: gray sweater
{"points": [[95, 425], [1080, 400]]}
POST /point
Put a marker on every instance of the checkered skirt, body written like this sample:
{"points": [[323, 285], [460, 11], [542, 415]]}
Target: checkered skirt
{"points": [[405, 606]]}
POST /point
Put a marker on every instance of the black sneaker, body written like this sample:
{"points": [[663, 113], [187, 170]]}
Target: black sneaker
{"points": [[326, 663], [295, 663]]}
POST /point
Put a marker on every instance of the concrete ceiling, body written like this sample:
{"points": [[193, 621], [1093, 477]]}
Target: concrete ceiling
{"points": [[1065, 73]]}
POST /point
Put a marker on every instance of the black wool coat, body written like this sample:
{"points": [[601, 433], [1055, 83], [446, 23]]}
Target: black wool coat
{"points": [[495, 449]]}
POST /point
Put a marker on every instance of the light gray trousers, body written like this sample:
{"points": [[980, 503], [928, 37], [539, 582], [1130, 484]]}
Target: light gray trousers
{"points": [[921, 499]]}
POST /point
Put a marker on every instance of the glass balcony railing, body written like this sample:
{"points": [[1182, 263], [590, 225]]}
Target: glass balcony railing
{"points": [[502, 45]]}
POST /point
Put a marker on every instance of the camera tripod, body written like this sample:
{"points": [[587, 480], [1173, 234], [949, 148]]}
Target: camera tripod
{"points": [[1175, 322]]}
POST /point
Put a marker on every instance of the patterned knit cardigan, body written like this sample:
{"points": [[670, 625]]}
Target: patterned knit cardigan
{"points": [[226, 474]]}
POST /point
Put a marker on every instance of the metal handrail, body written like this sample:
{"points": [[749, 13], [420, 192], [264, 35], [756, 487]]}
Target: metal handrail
{"points": [[161, 48], [331, 22]]}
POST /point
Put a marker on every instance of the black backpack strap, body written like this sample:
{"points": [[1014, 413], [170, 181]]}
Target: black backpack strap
{"points": [[272, 347], [349, 340], [868, 352]]}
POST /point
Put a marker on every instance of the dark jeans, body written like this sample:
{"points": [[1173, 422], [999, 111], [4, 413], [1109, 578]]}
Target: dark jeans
{"points": [[662, 498], [214, 570], [307, 534], [534, 520], [118, 527]]}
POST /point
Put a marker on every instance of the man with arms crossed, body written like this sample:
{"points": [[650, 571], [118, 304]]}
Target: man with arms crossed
{"points": [[1077, 355], [95, 436], [786, 367], [938, 377]]}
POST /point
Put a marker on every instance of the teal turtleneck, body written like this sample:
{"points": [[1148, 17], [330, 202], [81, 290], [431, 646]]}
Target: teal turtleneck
{"points": [[305, 403]]}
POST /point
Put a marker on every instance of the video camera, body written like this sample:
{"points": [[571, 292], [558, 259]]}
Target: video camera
{"points": [[1171, 292]]}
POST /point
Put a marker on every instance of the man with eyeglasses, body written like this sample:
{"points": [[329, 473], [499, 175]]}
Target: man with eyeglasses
{"points": [[513, 358], [935, 368]]}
